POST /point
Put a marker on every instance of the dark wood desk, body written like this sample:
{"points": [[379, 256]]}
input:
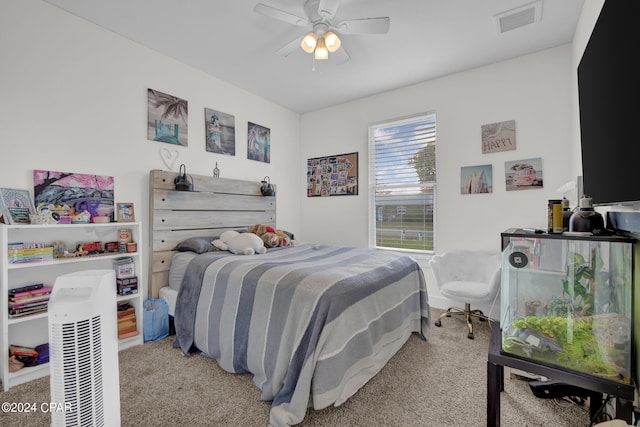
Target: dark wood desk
{"points": [[496, 362]]}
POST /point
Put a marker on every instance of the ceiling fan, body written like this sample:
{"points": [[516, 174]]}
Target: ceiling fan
{"points": [[324, 35]]}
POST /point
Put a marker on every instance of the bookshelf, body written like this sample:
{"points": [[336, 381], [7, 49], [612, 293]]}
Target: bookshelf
{"points": [[32, 329]]}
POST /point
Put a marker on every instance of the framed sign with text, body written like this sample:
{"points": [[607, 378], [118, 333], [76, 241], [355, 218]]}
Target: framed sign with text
{"points": [[498, 137]]}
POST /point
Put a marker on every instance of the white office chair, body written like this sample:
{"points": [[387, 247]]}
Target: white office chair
{"points": [[469, 277]]}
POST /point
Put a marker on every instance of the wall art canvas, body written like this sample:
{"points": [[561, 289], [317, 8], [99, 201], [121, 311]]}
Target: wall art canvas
{"points": [[93, 193], [476, 179], [523, 174], [499, 137], [220, 130], [167, 120], [258, 143], [15, 206], [335, 175]]}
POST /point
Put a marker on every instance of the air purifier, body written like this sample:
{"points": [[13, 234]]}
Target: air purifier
{"points": [[83, 345]]}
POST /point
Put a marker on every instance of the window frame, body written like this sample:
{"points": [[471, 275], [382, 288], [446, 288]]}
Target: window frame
{"points": [[373, 186]]}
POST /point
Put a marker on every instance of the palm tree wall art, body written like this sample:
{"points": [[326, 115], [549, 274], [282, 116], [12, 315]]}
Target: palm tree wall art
{"points": [[167, 118]]}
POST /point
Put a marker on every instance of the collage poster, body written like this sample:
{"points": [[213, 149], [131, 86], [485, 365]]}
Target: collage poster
{"points": [[332, 175]]}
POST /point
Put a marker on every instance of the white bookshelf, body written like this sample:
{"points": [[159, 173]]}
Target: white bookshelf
{"points": [[32, 330]]}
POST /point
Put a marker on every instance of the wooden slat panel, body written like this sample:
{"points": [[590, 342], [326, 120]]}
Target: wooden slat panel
{"points": [[176, 220], [164, 180], [215, 205], [157, 281], [187, 200], [161, 261]]}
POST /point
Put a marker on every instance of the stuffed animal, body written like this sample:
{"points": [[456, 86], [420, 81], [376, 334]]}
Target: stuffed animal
{"points": [[258, 229], [285, 240], [270, 235], [271, 240], [240, 243]]}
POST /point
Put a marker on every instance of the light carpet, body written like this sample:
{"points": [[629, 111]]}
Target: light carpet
{"points": [[440, 382]]}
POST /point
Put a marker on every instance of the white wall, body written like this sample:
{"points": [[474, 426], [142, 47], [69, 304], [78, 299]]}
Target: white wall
{"points": [[73, 98]]}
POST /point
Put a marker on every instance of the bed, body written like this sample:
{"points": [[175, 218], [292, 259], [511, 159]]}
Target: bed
{"points": [[311, 323]]}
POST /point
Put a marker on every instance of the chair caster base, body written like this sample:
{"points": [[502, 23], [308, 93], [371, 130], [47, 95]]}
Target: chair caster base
{"points": [[470, 335], [438, 323]]}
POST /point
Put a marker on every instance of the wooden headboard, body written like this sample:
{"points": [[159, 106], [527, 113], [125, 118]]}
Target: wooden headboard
{"points": [[215, 205]]}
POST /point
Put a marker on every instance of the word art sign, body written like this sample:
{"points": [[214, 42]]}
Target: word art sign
{"points": [[499, 137]]}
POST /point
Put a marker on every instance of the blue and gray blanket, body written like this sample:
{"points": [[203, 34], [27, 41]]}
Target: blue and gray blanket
{"points": [[308, 321]]}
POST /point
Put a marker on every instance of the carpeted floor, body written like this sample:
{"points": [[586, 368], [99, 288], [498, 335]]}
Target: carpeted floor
{"points": [[440, 382]]}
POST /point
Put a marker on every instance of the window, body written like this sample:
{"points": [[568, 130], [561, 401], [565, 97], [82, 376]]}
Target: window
{"points": [[402, 179]]}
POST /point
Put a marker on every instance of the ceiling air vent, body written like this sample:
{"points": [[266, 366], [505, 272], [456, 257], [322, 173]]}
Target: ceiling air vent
{"points": [[519, 16]]}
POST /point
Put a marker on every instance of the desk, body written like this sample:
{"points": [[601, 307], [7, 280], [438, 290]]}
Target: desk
{"points": [[496, 362]]}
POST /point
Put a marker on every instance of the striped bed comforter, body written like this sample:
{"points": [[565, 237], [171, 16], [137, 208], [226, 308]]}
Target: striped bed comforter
{"points": [[308, 322]]}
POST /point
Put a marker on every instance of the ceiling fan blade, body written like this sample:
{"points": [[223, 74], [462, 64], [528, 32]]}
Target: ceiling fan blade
{"points": [[280, 15], [290, 47], [365, 26], [340, 56]]}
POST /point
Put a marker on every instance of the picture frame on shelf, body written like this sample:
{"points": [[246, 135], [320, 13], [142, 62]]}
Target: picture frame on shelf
{"points": [[125, 211], [16, 206]]}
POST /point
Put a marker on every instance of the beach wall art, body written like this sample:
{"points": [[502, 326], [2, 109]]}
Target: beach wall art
{"points": [[220, 129], [167, 118], [476, 179]]}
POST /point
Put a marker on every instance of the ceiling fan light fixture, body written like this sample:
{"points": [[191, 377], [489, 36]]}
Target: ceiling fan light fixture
{"points": [[309, 41], [321, 51], [332, 41]]}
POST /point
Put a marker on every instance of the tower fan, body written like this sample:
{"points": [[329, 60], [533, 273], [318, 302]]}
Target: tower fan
{"points": [[83, 349]]}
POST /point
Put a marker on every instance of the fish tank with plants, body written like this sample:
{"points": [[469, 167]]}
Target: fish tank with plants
{"points": [[566, 301]]}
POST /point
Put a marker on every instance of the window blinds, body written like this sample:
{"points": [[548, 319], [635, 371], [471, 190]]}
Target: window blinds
{"points": [[402, 177]]}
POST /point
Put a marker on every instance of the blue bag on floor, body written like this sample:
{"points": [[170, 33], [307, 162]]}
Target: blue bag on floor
{"points": [[156, 319]]}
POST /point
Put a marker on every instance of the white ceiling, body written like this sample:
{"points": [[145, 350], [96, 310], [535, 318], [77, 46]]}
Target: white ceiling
{"points": [[427, 39]]}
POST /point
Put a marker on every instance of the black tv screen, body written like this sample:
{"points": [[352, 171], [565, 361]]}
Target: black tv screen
{"points": [[608, 77]]}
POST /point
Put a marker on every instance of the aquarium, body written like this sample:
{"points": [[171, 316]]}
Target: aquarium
{"points": [[566, 301]]}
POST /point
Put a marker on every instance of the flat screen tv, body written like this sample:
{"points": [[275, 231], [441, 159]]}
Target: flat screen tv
{"points": [[609, 99]]}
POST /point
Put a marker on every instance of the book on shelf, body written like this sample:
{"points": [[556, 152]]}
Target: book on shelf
{"points": [[31, 302], [26, 295], [20, 255], [29, 299], [26, 288], [19, 350], [27, 313]]}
